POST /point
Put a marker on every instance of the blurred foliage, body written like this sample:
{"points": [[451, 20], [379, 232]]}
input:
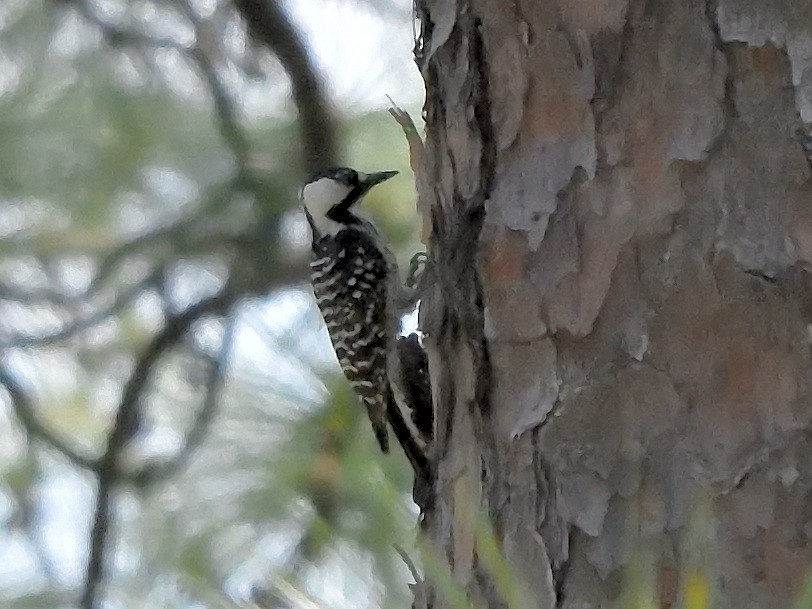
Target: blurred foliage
{"points": [[124, 200]]}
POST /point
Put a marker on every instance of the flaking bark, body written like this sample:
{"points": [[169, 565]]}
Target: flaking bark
{"points": [[617, 326]]}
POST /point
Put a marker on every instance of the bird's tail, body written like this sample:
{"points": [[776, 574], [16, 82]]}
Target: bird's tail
{"points": [[415, 453], [377, 416]]}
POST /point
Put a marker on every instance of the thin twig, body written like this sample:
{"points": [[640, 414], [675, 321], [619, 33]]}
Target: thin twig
{"points": [[179, 231], [404, 556], [23, 408], [47, 296], [125, 425], [122, 300], [224, 109], [28, 504], [417, 161], [153, 473], [224, 106]]}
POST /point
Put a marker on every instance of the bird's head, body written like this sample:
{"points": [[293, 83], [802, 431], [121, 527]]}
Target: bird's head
{"points": [[329, 196]]}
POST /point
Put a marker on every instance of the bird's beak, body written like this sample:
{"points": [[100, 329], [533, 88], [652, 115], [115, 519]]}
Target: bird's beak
{"points": [[370, 179]]}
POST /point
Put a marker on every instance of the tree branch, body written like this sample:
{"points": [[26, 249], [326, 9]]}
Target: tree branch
{"points": [[24, 411], [121, 300], [269, 25], [214, 385], [223, 105], [124, 427]]}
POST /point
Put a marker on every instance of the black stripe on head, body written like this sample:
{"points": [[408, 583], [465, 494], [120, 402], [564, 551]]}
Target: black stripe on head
{"points": [[358, 185], [345, 175], [340, 212], [314, 231], [349, 177]]}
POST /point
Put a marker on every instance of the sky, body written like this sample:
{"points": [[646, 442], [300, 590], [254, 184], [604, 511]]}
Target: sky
{"points": [[364, 53]]}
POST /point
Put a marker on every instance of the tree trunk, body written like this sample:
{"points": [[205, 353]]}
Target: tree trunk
{"points": [[618, 326]]}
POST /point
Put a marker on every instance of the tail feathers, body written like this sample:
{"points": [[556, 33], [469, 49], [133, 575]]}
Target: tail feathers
{"points": [[411, 446], [377, 416], [373, 389], [414, 384]]}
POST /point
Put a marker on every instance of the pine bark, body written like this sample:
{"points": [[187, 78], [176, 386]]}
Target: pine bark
{"points": [[618, 325]]}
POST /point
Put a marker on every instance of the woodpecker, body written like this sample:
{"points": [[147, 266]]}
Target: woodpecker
{"points": [[356, 284]]}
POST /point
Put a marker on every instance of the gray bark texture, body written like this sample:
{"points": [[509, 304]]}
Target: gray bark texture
{"points": [[618, 325]]}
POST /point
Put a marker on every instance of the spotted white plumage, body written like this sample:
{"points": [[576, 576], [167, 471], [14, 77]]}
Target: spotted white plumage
{"points": [[349, 282]]}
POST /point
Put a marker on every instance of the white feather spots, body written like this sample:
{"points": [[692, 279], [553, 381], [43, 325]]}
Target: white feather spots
{"points": [[321, 265], [349, 281], [332, 281]]}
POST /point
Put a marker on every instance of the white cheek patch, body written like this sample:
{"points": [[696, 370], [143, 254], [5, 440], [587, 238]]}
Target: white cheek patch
{"points": [[319, 197]]}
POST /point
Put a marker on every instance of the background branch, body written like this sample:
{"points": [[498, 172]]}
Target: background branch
{"points": [[153, 473], [223, 104], [271, 27], [126, 424], [121, 301], [23, 408]]}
